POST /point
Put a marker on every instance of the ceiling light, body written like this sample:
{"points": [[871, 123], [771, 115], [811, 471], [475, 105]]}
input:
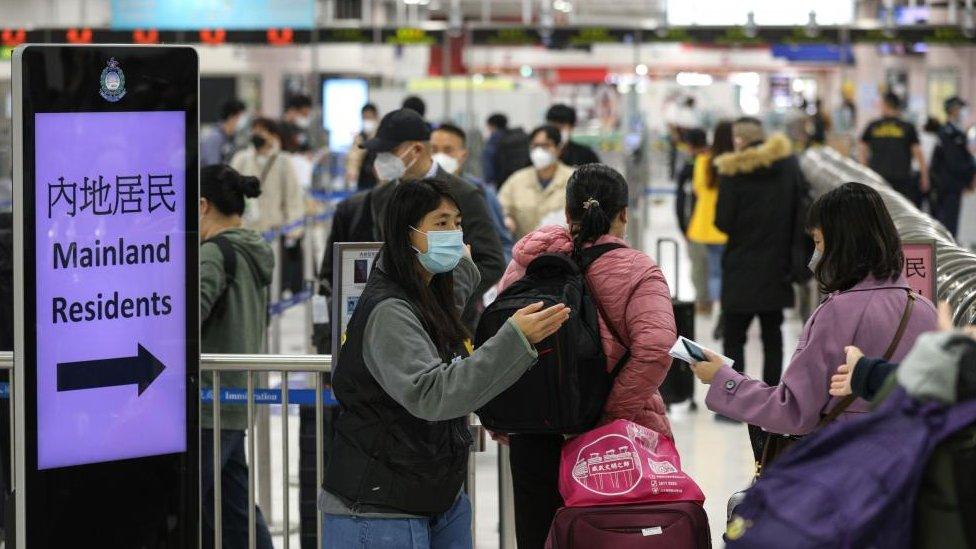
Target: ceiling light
{"points": [[564, 6], [693, 79], [745, 79]]}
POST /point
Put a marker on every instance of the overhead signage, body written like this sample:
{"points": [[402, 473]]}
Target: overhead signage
{"points": [[111, 295], [410, 36], [227, 14], [272, 33]]}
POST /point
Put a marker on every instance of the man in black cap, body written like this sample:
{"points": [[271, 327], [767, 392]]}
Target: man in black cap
{"points": [[888, 145], [573, 154], [953, 168], [403, 154]]}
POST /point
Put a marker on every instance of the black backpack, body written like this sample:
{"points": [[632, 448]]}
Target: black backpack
{"points": [[512, 154], [229, 256], [565, 391]]}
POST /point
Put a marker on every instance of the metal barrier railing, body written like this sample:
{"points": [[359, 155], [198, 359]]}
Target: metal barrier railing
{"points": [[252, 365], [283, 364]]}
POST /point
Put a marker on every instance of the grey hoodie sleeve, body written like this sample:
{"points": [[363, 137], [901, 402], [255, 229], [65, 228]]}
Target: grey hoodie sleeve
{"points": [[403, 359], [466, 280]]}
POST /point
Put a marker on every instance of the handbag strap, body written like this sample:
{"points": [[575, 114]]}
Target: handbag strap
{"points": [[899, 334]]}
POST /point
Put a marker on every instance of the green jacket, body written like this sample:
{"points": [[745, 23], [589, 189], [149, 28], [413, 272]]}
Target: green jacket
{"points": [[240, 324]]}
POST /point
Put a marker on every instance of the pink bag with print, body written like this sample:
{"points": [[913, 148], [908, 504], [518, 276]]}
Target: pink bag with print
{"points": [[620, 463]]}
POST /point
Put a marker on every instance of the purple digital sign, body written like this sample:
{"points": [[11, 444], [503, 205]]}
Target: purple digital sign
{"points": [[110, 281]]}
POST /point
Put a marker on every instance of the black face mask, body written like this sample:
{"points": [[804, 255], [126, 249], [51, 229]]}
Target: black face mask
{"points": [[258, 141]]}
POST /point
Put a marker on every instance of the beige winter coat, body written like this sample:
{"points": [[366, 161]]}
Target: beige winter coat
{"points": [[524, 200], [282, 199]]}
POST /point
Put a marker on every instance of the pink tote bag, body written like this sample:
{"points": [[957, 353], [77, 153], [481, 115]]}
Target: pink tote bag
{"points": [[622, 463]]}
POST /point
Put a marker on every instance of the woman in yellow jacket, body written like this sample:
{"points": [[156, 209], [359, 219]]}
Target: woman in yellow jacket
{"points": [[701, 228]]}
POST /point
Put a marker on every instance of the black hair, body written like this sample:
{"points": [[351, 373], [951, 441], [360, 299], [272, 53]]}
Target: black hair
{"points": [[453, 130], [749, 120], [932, 125], [859, 238], [498, 120], [560, 113], [415, 104], [298, 101], [232, 107], [269, 125], [226, 188], [892, 100], [435, 301], [695, 137], [722, 142], [595, 195], [552, 132], [369, 107]]}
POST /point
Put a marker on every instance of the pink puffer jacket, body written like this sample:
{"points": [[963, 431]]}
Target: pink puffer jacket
{"points": [[634, 298]]}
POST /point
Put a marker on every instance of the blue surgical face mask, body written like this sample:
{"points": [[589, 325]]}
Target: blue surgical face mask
{"points": [[444, 250]]}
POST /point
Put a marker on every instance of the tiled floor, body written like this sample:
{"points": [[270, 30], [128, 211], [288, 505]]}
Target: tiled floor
{"points": [[715, 454]]}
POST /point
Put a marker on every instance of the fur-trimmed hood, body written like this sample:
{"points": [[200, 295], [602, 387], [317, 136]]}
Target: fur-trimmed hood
{"points": [[776, 147]]}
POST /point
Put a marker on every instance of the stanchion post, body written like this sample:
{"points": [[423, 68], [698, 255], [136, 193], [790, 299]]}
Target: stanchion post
{"points": [[251, 514], [217, 488], [319, 453], [285, 484], [506, 501]]}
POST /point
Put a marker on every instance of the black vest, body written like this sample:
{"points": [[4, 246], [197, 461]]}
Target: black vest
{"points": [[382, 456]]}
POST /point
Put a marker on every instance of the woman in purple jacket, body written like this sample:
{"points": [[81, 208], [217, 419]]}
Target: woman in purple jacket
{"points": [[858, 264]]}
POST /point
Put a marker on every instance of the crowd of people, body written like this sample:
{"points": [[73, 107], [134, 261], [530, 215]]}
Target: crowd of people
{"points": [[407, 375]]}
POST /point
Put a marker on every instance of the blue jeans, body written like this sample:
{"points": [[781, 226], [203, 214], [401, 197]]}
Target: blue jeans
{"points": [[715, 252], [450, 530]]}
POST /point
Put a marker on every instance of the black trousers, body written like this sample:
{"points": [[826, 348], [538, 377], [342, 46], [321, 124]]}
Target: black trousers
{"points": [[947, 210], [535, 482], [736, 328], [292, 267]]}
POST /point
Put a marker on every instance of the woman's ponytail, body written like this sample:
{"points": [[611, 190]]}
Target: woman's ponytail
{"points": [[595, 195]]}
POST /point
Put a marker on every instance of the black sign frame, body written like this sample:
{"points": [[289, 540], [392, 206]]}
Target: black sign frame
{"points": [[152, 501]]}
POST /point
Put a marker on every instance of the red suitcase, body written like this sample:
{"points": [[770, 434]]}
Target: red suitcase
{"points": [[670, 525]]}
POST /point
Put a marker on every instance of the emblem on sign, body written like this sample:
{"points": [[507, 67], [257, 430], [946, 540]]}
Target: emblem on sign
{"points": [[112, 82]]}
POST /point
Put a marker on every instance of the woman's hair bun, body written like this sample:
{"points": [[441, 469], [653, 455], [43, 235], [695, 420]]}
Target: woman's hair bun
{"points": [[249, 186]]}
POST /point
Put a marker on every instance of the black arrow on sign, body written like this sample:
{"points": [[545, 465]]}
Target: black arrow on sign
{"points": [[141, 369]]}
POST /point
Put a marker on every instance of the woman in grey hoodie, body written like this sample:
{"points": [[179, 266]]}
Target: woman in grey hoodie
{"points": [[236, 266], [406, 378]]}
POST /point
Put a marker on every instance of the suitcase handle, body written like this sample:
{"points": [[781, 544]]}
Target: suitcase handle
{"points": [[677, 262]]}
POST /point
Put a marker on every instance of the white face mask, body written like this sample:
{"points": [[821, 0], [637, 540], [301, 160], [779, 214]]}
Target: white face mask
{"points": [[814, 260], [369, 126], [564, 136], [541, 158], [390, 167], [303, 122], [448, 162]]}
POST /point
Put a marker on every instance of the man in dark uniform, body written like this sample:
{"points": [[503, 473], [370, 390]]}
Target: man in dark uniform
{"points": [[574, 154], [953, 168], [888, 145]]}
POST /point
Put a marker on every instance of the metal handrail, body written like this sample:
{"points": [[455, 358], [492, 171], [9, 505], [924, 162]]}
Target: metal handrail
{"points": [[282, 363], [213, 362]]}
